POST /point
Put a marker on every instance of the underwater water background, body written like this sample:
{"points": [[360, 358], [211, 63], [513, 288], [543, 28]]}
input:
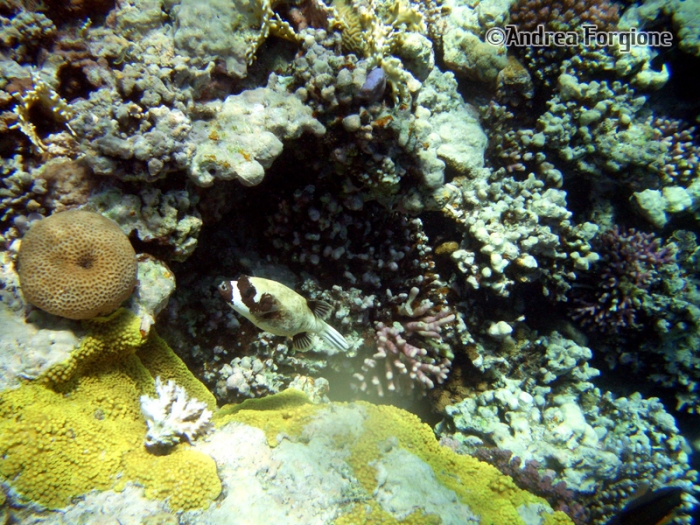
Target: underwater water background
{"points": [[349, 261]]}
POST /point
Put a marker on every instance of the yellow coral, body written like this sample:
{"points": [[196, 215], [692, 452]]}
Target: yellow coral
{"points": [[285, 413], [83, 429], [111, 339], [488, 493]]}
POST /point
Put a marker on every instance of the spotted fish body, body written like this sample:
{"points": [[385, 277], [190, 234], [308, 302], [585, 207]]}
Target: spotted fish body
{"points": [[276, 308]]}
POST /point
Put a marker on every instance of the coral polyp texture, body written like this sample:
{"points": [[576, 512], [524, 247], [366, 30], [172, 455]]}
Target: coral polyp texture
{"points": [[562, 15], [76, 264], [90, 416], [410, 354]]}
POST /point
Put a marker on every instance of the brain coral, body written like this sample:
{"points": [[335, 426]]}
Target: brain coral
{"points": [[76, 264]]}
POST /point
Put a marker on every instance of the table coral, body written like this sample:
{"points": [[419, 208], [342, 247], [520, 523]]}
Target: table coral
{"points": [[87, 415]]}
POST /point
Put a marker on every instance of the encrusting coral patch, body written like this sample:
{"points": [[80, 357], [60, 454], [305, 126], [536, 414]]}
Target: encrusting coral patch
{"points": [[81, 428], [361, 463]]}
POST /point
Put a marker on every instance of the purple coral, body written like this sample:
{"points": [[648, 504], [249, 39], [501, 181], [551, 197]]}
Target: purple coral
{"points": [[630, 268], [413, 353], [528, 477]]}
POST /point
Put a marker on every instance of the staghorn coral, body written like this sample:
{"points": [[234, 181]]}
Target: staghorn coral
{"points": [[172, 415], [76, 264], [631, 267]]}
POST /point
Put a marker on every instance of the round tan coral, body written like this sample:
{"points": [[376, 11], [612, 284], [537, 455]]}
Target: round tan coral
{"points": [[76, 264]]}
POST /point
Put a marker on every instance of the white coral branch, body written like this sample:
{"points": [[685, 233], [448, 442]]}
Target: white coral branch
{"points": [[172, 415]]}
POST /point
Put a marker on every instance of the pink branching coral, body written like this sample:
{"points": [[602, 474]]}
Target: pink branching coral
{"points": [[413, 352], [631, 266]]}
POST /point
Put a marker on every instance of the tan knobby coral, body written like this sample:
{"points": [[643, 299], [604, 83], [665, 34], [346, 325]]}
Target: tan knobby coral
{"points": [[76, 264]]}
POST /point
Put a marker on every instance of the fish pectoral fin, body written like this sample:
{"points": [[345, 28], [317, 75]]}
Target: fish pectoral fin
{"points": [[267, 304], [302, 341], [321, 309]]}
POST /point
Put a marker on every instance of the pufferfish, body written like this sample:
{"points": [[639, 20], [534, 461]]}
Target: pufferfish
{"points": [[275, 308]]}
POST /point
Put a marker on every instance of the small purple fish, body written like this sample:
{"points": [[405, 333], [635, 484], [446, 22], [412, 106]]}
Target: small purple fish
{"points": [[373, 88]]}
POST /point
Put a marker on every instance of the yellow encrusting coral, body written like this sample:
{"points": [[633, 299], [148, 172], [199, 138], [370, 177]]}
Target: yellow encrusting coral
{"points": [[283, 413], [82, 428], [489, 494], [110, 340], [371, 513]]}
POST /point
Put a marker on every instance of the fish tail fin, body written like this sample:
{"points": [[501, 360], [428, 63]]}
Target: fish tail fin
{"points": [[331, 336]]}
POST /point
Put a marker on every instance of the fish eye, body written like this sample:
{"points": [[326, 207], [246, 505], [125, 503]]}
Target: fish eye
{"points": [[226, 291]]}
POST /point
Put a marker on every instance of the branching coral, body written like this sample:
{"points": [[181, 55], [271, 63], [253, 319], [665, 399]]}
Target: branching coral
{"points": [[173, 415], [378, 30], [414, 353], [563, 15], [631, 266], [682, 158], [559, 15]]}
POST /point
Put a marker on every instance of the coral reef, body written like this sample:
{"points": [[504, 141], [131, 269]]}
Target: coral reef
{"points": [[580, 435], [76, 264], [168, 221], [528, 477], [407, 366], [260, 120], [249, 377], [482, 219], [557, 15], [515, 231], [156, 283]]}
